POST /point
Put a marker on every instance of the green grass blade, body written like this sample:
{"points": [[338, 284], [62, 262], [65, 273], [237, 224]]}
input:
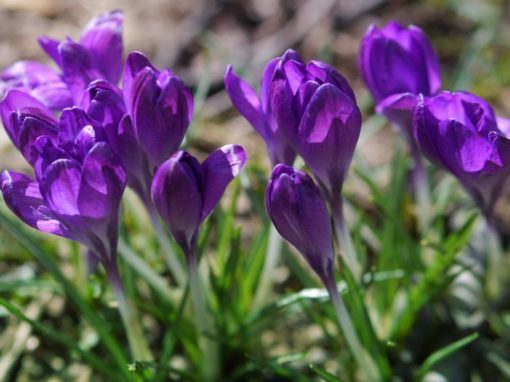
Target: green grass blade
{"points": [[93, 318], [326, 376], [69, 343], [442, 354]]}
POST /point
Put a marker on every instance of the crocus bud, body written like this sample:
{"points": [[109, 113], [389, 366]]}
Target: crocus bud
{"points": [[25, 119], [459, 131], [257, 111], [298, 211], [317, 110], [159, 104], [98, 54], [397, 60], [185, 192], [78, 187], [397, 64]]}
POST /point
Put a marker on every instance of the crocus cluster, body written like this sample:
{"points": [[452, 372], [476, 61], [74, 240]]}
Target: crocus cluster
{"points": [[307, 109], [106, 137], [79, 180], [457, 130]]}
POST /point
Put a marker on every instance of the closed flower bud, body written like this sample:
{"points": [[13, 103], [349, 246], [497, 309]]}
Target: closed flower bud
{"points": [[185, 191], [160, 106], [298, 211]]}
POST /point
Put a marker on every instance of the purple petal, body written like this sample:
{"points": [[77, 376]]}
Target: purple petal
{"points": [[318, 70], [295, 74], [22, 196], [132, 157], [177, 193], [42, 82], [135, 63], [84, 141], [104, 103], [452, 130], [398, 60], [31, 129], [102, 184], [430, 57], [77, 67], [160, 116], [60, 186], [329, 129], [399, 108], [19, 102], [48, 153], [72, 121], [295, 206], [245, 100], [55, 95], [265, 86], [281, 106], [219, 169], [50, 46], [103, 39]]}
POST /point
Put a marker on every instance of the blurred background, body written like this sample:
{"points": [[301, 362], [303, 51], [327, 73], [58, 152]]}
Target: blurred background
{"points": [[197, 39]]}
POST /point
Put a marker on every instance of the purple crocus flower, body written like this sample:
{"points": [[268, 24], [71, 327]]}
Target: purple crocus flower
{"points": [[397, 64], [298, 211], [160, 107], [257, 110], [317, 110], [185, 192], [104, 103], [77, 190], [460, 132], [98, 55], [25, 119], [42, 82]]}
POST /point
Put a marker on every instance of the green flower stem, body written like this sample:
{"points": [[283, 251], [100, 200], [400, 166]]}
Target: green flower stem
{"points": [[421, 193], [153, 279], [173, 263], [344, 239], [137, 341], [363, 358], [494, 275], [208, 346], [274, 247]]}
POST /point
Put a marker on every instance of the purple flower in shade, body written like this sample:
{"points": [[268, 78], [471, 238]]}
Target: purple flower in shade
{"points": [[397, 64], [78, 186], [185, 192], [98, 55], [298, 211], [38, 80], [257, 111], [160, 107], [460, 132], [316, 109], [25, 119]]}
